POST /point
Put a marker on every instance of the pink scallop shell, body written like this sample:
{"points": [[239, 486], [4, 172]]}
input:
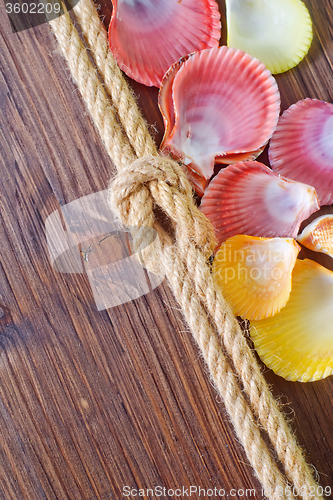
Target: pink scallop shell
{"points": [[302, 146], [216, 105], [249, 198], [165, 103], [165, 99], [147, 36]]}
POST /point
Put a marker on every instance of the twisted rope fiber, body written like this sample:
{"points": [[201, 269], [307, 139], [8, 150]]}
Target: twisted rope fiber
{"points": [[185, 263]]}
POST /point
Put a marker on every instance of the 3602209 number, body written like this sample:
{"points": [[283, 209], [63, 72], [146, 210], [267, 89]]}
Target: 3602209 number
{"points": [[32, 8]]}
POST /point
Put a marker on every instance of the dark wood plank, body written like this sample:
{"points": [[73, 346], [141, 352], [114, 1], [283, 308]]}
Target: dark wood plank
{"points": [[92, 401]]}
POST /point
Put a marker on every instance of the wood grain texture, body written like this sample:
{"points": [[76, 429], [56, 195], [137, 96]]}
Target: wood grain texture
{"points": [[92, 401]]}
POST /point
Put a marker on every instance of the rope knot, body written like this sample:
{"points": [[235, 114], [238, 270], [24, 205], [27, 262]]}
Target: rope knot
{"points": [[155, 182]]}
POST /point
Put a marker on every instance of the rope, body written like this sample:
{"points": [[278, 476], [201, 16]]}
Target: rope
{"points": [[154, 181], [146, 181], [131, 119]]}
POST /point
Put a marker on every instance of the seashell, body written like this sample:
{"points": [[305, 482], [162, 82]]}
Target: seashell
{"points": [[236, 158], [225, 103], [165, 103], [147, 36], [249, 198], [254, 274], [277, 33], [318, 236], [301, 147], [297, 343]]}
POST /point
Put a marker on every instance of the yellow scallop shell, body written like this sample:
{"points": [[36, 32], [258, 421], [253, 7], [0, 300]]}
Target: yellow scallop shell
{"points": [[278, 33], [254, 274], [297, 343]]}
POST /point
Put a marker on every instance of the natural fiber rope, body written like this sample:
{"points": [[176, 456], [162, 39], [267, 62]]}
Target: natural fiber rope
{"points": [[155, 181]]}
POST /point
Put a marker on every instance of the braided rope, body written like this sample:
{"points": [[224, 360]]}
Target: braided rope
{"points": [[158, 181], [131, 119], [155, 181]]}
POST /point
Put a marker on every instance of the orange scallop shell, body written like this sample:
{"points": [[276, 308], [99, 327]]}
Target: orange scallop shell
{"points": [[318, 236]]}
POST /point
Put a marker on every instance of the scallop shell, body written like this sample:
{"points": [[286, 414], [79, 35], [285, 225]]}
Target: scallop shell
{"points": [[297, 343], [249, 198], [165, 103], [225, 103], [302, 146], [254, 274], [318, 236], [277, 33], [236, 158], [147, 36]]}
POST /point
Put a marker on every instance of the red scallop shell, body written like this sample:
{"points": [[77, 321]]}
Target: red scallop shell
{"points": [[302, 146], [147, 36], [218, 105], [249, 198]]}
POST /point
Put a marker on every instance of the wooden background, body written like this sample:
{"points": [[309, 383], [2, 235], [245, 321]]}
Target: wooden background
{"points": [[92, 401]]}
